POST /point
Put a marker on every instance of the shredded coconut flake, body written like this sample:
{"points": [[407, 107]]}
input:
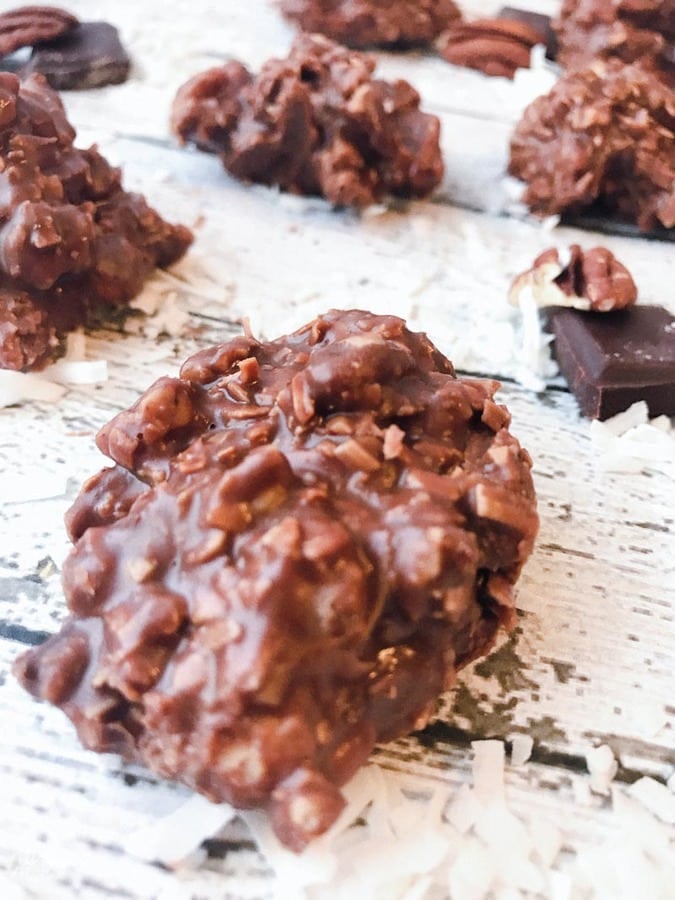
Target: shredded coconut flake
{"points": [[171, 839], [521, 749], [394, 842], [536, 364], [656, 797], [18, 387], [75, 372], [602, 767], [629, 442], [488, 770]]}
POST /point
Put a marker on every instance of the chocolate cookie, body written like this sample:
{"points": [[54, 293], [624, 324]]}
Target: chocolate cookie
{"points": [[602, 139], [72, 240], [299, 544], [374, 23], [316, 123], [631, 31]]}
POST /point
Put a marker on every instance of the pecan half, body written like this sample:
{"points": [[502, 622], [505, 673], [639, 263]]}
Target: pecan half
{"points": [[589, 279], [29, 25], [493, 46]]}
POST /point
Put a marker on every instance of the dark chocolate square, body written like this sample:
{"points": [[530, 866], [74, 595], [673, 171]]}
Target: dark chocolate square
{"points": [[88, 56], [611, 360]]}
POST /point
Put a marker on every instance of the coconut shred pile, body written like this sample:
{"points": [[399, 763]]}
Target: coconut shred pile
{"points": [[403, 839]]}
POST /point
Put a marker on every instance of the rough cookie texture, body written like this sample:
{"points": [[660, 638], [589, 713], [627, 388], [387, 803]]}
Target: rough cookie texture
{"points": [[630, 30], [586, 279], [71, 239], [374, 23], [493, 46], [315, 123], [603, 137], [299, 544]]}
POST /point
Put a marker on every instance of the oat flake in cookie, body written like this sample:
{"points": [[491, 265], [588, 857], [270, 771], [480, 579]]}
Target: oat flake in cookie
{"points": [[298, 545], [315, 123]]}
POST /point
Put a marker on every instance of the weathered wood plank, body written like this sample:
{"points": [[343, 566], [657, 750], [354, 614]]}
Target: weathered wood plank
{"points": [[65, 811]]}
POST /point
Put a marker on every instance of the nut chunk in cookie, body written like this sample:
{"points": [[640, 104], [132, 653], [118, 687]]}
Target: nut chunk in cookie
{"points": [[72, 240], [316, 123], [299, 544], [374, 23], [603, 137]]}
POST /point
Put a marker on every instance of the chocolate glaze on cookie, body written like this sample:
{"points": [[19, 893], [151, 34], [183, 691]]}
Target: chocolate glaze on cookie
{"points": [[298, 545], [316, 123], [374, 23]]}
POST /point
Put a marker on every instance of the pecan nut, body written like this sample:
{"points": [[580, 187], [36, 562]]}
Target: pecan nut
{"points": [[29, 25], [493, 46], [590, 279]]}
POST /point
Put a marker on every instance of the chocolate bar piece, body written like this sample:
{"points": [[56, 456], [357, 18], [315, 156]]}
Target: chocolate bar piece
{"points": [[611, 360], [539, 22], [89, 56]]}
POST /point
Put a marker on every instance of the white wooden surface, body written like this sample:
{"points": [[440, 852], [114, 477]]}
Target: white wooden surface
{"points": [[593, 658]]}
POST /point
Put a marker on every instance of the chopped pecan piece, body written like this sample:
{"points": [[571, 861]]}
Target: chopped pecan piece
{"points": [[493, 46], [29, 25], [589, 279]]}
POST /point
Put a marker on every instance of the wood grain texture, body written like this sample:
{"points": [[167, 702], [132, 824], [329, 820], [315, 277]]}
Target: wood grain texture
{"points": [[593, 657]]}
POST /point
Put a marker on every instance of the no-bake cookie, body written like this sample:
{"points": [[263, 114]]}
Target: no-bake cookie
{"points": [[298, 545], [316, 123], [72, 241], [374, 23], [603, 138], [631, 30]]}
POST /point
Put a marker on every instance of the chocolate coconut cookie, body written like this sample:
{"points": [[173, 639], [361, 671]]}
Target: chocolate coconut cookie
{"points": [[374, 23], [603, 138], [72, 240], [631, 30], [298, 545], [316, 123]]}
